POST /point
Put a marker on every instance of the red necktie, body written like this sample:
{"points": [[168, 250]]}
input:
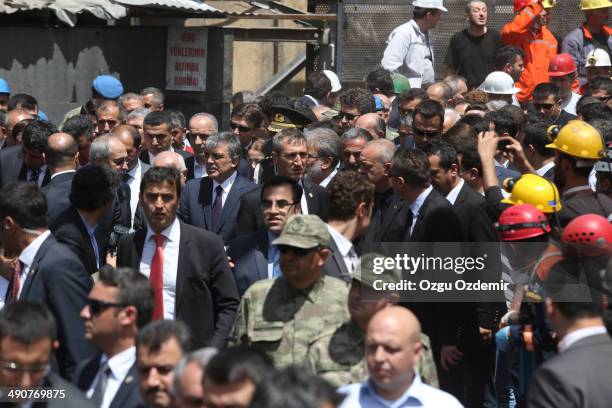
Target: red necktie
{"points": [[157, 277], [16, 280]]}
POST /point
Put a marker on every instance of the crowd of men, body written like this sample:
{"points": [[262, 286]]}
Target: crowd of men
{"points": [[150, 260]]}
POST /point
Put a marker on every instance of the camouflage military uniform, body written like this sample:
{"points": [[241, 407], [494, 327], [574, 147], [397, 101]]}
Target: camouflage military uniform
{"points": [[281, 321], [339, 357]]}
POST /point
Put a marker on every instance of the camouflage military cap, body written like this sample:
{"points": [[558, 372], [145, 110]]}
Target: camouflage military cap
{"points": [[304, 231], [371, 267]]}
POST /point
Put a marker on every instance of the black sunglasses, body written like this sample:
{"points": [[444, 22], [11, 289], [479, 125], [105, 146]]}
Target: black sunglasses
{"points": [[98, 306], [299, 252], [348, 116], [547, 106], [240, 128], [427, 133]]}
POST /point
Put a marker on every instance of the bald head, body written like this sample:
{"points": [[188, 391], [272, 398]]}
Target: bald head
{"points": [[440, 92], [373, 124], [61, 152], [383, 149], [393, 350], [172, 160], [131, 139]]}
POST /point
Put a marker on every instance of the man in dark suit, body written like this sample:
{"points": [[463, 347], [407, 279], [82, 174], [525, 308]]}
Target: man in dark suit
{"points": [[252, 255], [61, 157], [289, 155], [212, 202], [45, 271], [190, 284], [91, 197], [350, 210], [324, 155], [578, 375], [28, 333], [119, 305], [158, 136], [390, 212], [26, 162]]}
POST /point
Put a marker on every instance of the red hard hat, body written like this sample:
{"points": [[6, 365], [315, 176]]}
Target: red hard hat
{"points": [[590, 234], [520, 4], [561, 65], [522, 221]]}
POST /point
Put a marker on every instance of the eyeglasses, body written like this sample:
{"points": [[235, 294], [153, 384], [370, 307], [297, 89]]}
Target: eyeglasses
{"points": [[240, 128], [98, 306], [280, 204], [15, 368], [299, 252], [348, 154], [348, 116], [425, 133], [546, 106]]}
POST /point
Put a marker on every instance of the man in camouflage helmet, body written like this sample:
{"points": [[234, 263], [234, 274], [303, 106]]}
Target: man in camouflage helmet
{"points": [[338, 354], [281, 316]]}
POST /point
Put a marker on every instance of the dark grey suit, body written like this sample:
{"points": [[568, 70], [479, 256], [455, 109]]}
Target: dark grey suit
{"points": [[244, 168], [57, 193], [578, 377], [334, 264], [12, 167], [196, 206], [250, 256], [74, 398]]}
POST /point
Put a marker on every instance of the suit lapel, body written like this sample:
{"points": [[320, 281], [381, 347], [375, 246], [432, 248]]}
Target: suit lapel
{"points": [[311, 198], [205, 200], [139, 238], [422, 213], [233, 198], [27, 285], [46, 178], [263, 244], [388, 216], [126, 388], [90, 255], [88, 373], [182, 265], [190, 163], [23, 173], [337, 257], [461, 197]]}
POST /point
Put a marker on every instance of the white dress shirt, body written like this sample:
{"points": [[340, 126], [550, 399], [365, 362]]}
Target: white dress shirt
{"points": [[570, 105], [329, 178], [409, 51], [171, 254], [416, 205], [199, 170], [349, 256], [454, 193], [61, 172], [542, 170], [226, 186], [119, 365], [303, 202], [134, 184], [580, 334], [27, 258], [41, 175]]}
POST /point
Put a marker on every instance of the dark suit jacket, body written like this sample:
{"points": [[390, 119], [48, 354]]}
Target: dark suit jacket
{"points": [[144, 156], [389, 222], [58, 279], [394, 115], [250, 217], [475, 222], [57, 193], [577, 377], [334, 264], [70, 230], [196, 206], [74, 398], [206, 294], [128, 394], [244, 168], [12, 167], [250, 256], [437, 221]]}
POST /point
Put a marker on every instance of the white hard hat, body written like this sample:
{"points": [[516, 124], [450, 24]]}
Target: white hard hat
{"points": [[429, 4], [598, 58], [499, 82], [333, 78]]}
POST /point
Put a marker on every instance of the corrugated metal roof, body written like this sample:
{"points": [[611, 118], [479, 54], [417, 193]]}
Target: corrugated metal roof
{"points": [[180, 4]]}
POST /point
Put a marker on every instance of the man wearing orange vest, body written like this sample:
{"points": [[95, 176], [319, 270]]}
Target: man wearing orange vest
{"points": [[528, 31]]}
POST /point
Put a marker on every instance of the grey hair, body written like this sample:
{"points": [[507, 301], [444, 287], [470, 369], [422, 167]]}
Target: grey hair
{"points": [[138, 113], [233, 145], [406, 120], [100, 149], [208, 116], [201, 357], [178, 119], [454, 80], [385, 149], [127, 97], [292, 135], [327, 142], [158, 95], [182, 165], [356, 133], [496, 105]]}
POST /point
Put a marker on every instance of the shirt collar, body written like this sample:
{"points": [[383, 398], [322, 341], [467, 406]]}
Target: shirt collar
{"points": [[61, 172], [135, 170], [120, 363], [578, 335], [329, 178], [344, 245], [418, 203], [29, 252], [415, 392], [416, 27], [172, 232], [91, 229], [227, 184], [454, 193], [542, 170]]}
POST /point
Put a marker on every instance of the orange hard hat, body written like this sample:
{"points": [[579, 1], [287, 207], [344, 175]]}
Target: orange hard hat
{"points": [[561, 65]]}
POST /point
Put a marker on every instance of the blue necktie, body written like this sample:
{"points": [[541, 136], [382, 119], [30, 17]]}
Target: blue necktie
{"points": [[276, 271]]}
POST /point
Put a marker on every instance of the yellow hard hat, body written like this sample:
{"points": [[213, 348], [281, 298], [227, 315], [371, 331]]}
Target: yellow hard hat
{"points": [[535, 190], [594, 4], [579, 139]]}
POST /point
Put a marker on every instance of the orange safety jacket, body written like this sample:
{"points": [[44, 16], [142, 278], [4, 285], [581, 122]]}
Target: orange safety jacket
{"points": [[538, 49]]}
